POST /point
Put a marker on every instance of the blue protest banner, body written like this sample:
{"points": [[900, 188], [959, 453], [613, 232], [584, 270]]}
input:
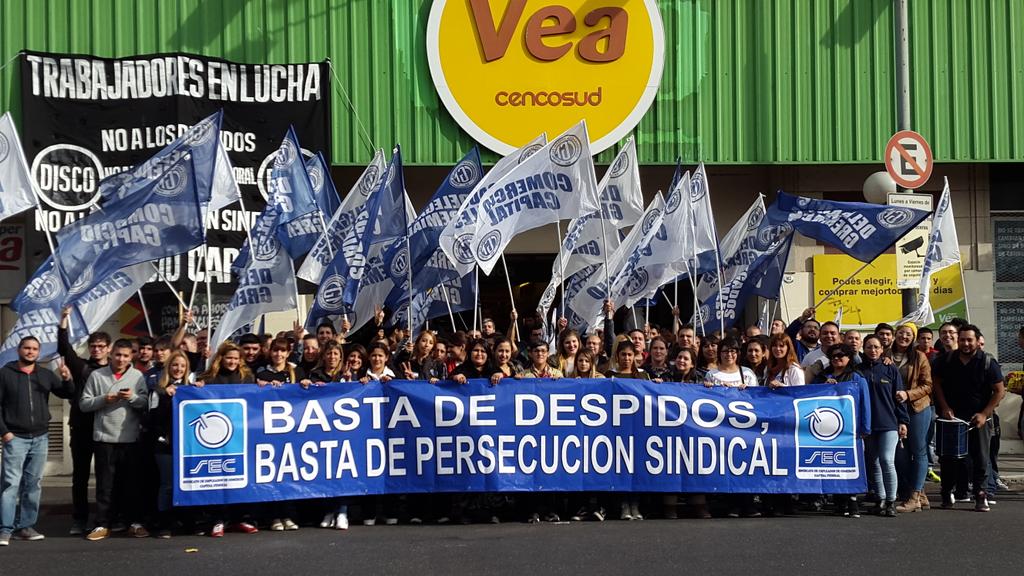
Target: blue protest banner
{"points": [[243, 443]]}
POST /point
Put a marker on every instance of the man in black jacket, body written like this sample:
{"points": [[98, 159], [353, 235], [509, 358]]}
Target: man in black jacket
{"points": [[80, 422], [24, 422]]}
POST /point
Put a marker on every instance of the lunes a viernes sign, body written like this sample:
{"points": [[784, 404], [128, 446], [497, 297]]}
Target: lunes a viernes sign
{"points": [[508, 70]]}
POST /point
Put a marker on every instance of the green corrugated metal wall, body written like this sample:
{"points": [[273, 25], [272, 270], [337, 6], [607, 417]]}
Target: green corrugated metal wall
{"points": [[746, 81]]}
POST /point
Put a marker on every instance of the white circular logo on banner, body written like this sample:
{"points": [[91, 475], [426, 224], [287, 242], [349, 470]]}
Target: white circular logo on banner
{"points": [[464, 175], [83, 281], [463, 248], [895, 217], [213, 429], [566, 150], [825, 423], [316, 177], [44, 289], [5, 147], [200, 133], [332, 289], [173, 182], [67, 176]]}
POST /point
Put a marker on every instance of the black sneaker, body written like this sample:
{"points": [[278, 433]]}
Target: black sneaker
{"points": [[948, 500], [889, 509], [853, 509], [981, 502]]}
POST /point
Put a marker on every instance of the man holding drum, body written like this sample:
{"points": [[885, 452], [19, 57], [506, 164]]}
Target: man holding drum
{"points": [[968, 385]]}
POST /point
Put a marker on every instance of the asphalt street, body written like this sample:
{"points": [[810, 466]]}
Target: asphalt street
{"points": [[934, 542]]}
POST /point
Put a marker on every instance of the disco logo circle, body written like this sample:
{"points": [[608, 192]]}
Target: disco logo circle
{"points": [[332, 289], [803, 201], [44, 289], [173, 182], [566, 150], [895, 217], [464, 175], [67, 176], [463, 248], [489, 245]]}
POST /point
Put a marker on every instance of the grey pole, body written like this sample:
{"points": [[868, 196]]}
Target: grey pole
{"points": [[901, 31]]}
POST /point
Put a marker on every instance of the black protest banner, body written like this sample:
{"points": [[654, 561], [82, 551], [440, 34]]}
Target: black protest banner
{"points": [[85, 118]]}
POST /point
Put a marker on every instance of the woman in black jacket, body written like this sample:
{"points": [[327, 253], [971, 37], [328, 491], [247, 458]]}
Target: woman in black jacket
{"points": [[161, 413], [227, 367], [477, 364]]}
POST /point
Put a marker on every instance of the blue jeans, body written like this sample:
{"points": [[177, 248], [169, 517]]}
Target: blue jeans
{"points": [[912, 459], [23, 461], [880, 451]]}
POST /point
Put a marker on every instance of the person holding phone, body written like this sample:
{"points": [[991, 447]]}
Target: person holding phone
{"points": [[117, 397]]}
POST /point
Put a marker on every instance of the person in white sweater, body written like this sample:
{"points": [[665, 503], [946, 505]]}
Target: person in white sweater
{"points": [[783, 367], [117, 396]]}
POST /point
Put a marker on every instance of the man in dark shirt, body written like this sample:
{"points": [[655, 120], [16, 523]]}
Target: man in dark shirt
{"points": [[968, 385], [25, 389], [81, 424]]}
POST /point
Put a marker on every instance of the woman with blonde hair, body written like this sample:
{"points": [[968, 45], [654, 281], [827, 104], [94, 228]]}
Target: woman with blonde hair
{"points": [[227, 367], [912, 459], [161, 430]]}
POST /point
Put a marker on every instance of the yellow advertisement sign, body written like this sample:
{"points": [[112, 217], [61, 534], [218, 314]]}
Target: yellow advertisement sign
{"points": [[508, 70], [871, 297]]}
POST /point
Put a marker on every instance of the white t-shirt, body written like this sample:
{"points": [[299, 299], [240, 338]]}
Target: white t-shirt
{"points": [[733, 379], [793, 376], [818, 354]]}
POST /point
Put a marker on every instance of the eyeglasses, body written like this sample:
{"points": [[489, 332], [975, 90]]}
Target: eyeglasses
{"points": [[730, 351]]}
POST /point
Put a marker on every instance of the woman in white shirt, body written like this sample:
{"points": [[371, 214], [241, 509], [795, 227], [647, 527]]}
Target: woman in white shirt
{"points": [[728, 372], [783, 366]]}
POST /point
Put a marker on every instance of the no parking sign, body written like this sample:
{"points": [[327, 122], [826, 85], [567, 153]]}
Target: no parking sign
{"points": [[908, 159]]}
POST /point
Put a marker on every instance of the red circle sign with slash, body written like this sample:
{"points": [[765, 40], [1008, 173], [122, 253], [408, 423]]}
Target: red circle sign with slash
{"points": [[908, 159]]}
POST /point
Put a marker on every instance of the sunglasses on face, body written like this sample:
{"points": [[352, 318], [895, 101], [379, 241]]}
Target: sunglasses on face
{"points": [[838, 356]]}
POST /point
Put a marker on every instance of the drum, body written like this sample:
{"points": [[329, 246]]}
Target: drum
{"points": [[951, 438]]}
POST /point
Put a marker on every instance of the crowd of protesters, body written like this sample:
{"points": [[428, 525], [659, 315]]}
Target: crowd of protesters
{"points": [[121, 413]]}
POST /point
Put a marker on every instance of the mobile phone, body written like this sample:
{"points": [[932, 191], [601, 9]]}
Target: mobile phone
{"points": [[124, 389]]}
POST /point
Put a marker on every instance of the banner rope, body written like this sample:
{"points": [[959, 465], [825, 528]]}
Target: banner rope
{"points": [[344, 93], [8, 63]]}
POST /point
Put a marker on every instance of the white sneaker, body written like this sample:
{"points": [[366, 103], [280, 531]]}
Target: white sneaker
{"points": [[625, 512], [328, 521], [369, 521], [341, 521], [289, 525], [390, 521], [634, 511]]}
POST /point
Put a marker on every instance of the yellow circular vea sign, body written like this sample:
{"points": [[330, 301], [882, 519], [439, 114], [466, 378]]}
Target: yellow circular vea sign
{"points": [[508, 70]]}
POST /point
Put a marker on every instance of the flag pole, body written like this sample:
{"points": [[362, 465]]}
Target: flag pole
{"points": [[408, 259], [145, 313], [245, 220], [840, 285], [173, 291], [195, 282], [209, 291], [561, 268], [963, 285], [476, 293], [295, 282], [323, 226], [448, 302], [508, 280]]}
